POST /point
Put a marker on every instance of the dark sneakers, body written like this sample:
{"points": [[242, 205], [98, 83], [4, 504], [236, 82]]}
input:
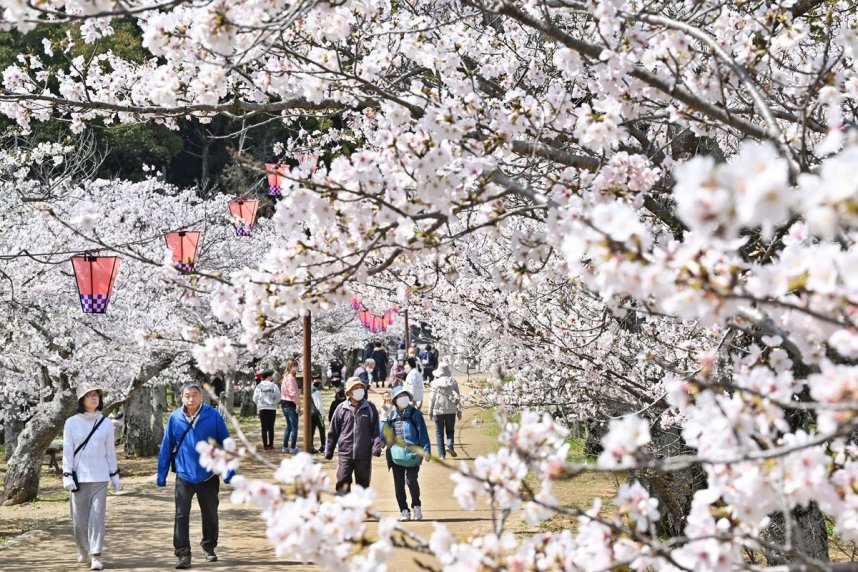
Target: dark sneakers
{"points": [[184, 562], [211, 556]]}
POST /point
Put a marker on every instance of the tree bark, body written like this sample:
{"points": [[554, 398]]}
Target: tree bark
{"points": [[13, 427], [23, 472], [144, 428], [807, 535]]}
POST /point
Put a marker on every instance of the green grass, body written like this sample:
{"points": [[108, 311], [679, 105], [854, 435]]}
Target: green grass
{"points": [[576, 452]]}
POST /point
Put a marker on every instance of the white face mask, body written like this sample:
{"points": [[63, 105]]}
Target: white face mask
{"points": [[402, 401], [358, 394]]}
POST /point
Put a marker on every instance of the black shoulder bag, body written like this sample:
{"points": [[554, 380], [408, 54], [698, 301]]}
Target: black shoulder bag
{"points": [[175, 450], [77, 450]]}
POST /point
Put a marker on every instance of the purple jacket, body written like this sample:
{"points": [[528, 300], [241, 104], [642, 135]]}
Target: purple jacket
{"points": [[354, 434]]}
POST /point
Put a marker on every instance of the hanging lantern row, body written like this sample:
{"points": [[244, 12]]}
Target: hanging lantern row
{"points": [[276, 178], [376, 324], [373, 322], [95, 276]]}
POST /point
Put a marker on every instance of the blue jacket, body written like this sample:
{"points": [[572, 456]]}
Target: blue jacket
{"points": [[414, 429], [208, 425]]}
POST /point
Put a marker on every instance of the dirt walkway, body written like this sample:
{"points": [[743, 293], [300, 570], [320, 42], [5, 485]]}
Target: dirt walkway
{"points": [[140, 521]]}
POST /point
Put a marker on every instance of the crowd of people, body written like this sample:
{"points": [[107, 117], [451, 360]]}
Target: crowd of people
{"points": [[356, 432]]}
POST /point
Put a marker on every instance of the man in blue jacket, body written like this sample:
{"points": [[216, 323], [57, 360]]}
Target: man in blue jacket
{"points": [[193, 422]]}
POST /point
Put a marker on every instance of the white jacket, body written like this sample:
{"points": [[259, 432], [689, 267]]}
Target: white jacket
{"points": [[97, 460], [266, 396], [414, 384]]}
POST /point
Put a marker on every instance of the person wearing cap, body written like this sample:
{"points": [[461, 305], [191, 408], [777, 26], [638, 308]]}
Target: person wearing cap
{"points": [[89, 463], [405, 427], [266, 396], [445, 406], [354, 433], [191, 423]]}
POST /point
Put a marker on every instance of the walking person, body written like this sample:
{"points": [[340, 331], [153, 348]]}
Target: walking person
{"points": [[191, 423], [397, 373], [89, 463], [382, 364], [355, 434], [445, 406], [266, 396], [365, 371], [318, 421], [335, 372], [339, 397], [414, 382], [291, 408], [429, 363], [407, 447]]}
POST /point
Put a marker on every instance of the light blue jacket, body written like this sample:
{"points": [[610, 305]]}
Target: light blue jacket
{"points": [[208, 425], [414, 430]]}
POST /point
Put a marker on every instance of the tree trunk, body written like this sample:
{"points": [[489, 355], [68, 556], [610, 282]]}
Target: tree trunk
{"points": [[14, 426], [807, 536], [675, 489], [144, 427], [25, 466]]}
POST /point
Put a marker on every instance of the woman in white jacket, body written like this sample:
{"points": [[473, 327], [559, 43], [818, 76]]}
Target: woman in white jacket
{"points": [[89, 462], [414, 381], [266, 396]]}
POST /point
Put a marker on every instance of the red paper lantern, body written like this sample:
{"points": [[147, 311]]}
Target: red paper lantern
{"points": [[95, 276], [276, 178], [245, 211], [183, 244]]}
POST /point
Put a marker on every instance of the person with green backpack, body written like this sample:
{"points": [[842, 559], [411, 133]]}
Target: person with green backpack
{"points": [[408, 446]]}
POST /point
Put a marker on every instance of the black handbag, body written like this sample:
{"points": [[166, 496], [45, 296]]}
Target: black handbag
{"points": [[175, 450], [79, 448]]}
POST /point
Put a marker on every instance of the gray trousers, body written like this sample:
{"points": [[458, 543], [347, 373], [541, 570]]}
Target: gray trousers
{"points": [[87, 513]]}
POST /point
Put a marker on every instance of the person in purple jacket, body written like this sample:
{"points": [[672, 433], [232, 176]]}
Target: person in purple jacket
{"points": [[354, 433], [193, 422]]}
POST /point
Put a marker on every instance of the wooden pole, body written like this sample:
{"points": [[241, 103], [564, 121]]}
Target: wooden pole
{"points": [[406, 334], [308, 375]]}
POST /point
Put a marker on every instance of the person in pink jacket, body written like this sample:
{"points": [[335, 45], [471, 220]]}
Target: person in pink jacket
{"points": [[290, 403]]}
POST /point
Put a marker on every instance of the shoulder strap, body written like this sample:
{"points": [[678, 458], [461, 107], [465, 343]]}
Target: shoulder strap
{"points": [[95, 427], [185, 434]]}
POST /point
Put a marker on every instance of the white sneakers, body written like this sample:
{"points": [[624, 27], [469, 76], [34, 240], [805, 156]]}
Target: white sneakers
{"points": [[406, 515], [81, 557], [96, 563]]}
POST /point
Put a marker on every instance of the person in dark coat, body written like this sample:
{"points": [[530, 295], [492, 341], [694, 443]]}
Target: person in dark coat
{"points": [[382, 365], [355, 434]]}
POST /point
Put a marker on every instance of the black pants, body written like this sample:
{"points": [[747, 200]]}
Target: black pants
{"points": [[206, 492], [267, 417], [428, 373], [317, 424], [402, 475], [360, 468]]}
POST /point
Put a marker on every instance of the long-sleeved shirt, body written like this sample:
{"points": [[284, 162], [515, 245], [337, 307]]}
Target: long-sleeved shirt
{"points": [[289, 389], [208, 424], [266, 395], [318, 402], [414, 384], [95, 462], [354, 431]]}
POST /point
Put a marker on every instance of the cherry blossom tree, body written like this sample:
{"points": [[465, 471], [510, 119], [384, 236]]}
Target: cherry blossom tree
{"points": [[685, 167]]}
